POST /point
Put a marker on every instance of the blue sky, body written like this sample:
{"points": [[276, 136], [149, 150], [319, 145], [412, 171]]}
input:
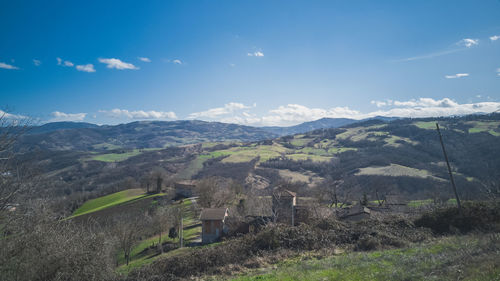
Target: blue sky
{"points": [[249, 62]]}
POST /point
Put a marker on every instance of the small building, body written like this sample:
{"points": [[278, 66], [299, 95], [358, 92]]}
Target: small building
{"points": [[184, 189], [357, 213], [213, 224], [283, 208]]}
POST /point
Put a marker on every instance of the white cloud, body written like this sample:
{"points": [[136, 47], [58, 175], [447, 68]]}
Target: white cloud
{"points": [[64, 62], [37, 62], [292, 114], [139, 114], [495, 37], [58, 116], [176, 61], [7, 66], [215, 112], [458, 75], [86, 67], [117, 64], [468, 42], [144, 59], [256, 54], [10, 117]]}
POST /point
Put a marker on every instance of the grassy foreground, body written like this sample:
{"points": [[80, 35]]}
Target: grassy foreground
{"points": [[472, 257]]}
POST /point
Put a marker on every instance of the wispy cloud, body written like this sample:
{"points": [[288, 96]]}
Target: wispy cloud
{"points": [[177, 61], [66, 63], [468, 42], [256, 54], [139, 114], [117, 64], [144, 59], [381, 103], [458, 75], [37, 62], [494, 37], [498, 71], [58, 116], [7, 66], [86, 67]]}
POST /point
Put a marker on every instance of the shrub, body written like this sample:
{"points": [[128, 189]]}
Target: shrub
{"points": [[473, 216]]}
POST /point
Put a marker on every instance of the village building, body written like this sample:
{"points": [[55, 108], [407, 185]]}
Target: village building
{"points": [[213, 224], [283, 208], [357, 213]]}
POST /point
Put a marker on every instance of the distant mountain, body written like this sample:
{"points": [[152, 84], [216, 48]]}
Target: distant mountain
{"points": [[323, 123], [144, 134], [55, 126], [148, 134]]}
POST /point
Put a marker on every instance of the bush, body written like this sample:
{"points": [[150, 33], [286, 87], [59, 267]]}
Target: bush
{"points": [[473, 216]]}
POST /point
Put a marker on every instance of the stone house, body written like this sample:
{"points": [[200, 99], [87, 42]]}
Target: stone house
{"points": [[213, 224]]}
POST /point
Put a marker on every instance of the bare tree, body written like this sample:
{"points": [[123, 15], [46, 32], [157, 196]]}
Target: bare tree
{"points": [[215, 193], [158, 175], [127, 230], [146, 182], [42, 247], [12, 174], [161, 220]]}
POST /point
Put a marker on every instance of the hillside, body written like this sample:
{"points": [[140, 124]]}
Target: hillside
{"points": [[402, 156], [145, 134]]}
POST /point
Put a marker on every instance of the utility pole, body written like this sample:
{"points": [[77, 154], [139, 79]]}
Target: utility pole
{"points": [[449, 168], [181, 230]]}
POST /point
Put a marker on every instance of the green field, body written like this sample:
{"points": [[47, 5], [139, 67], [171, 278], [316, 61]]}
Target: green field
{"points": [[482, 126], [429, 125], [111, 200], [117, 157], [452, 258], [299, 141]]}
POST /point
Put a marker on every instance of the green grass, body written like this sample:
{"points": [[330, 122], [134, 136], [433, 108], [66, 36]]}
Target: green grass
{"points": [[335, 150], [111, 200], [117, 157], [429, 125], [484, 126], [300, 141], [454, 258]]}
